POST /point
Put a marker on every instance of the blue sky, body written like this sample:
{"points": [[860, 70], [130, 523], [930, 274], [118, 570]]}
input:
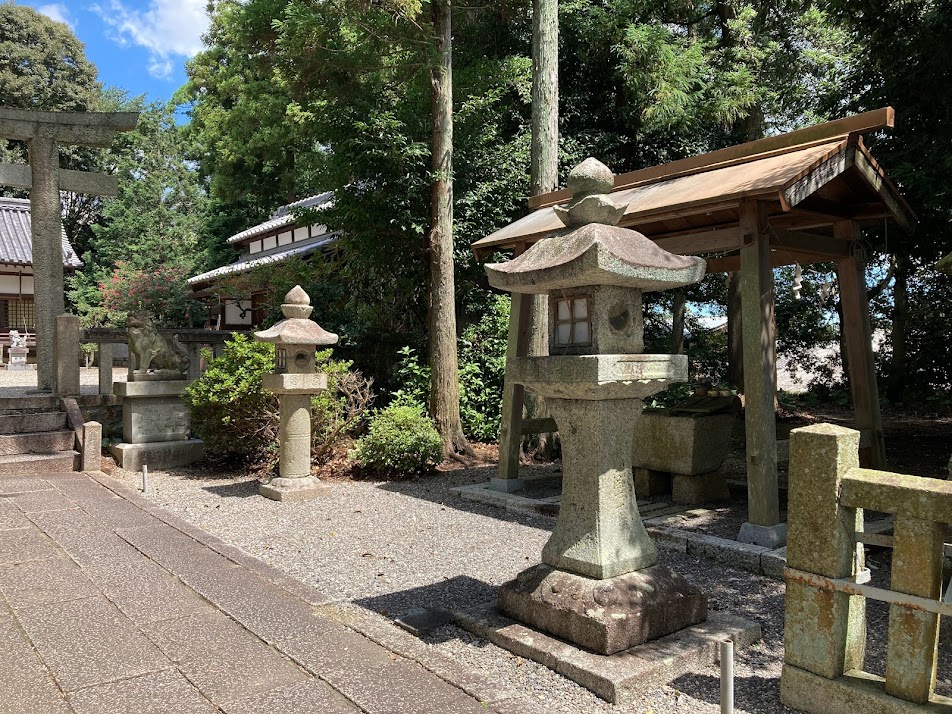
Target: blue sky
{"points": [[138, 45]]}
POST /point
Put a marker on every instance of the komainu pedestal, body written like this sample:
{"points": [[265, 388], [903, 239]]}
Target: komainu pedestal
{"points": [[155, 427]]}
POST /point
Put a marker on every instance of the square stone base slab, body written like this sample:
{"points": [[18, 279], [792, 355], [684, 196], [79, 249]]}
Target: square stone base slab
{"points": [[766, 536], [608, 615], [853, 692], [293, 489], [158, 454], [620, 677]]}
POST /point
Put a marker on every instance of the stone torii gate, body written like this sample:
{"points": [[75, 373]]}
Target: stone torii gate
{"points": [[44, 132]]}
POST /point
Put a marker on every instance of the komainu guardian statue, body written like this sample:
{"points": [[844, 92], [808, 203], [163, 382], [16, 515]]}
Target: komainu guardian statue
{"points": [[152, 355]]}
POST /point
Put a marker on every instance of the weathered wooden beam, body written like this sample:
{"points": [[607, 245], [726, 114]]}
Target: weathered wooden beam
{"points": [[757, 301], [810, 243], [778, 259], [821, 133], [899, 210], [799, 190], [84, 128], [857, 333], [21, 176], [700, 242]]}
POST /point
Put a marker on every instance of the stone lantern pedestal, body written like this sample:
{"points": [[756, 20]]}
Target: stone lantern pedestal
{"points": [[599, 584], [295, 381]]}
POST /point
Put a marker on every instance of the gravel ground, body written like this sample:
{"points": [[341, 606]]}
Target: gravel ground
{"points": [[390, 547]]}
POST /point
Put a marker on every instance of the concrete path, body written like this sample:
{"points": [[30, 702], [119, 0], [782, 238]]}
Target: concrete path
{"points": [[112, 605]]}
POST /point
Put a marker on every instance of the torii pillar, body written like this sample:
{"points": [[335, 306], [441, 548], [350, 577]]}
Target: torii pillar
{"points": [[44, 132]]}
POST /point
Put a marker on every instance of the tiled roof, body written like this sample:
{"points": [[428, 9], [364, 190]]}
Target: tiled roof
{"points": [[16, 242], [249, 262], [282, 217]]}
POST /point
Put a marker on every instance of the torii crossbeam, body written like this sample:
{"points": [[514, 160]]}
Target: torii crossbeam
{"points": [[44, 132]]}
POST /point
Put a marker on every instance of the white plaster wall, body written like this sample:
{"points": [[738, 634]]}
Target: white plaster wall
{"points": [[233, 312]]}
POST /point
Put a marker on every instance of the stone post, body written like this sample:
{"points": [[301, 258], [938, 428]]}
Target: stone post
{"points": [[194, 361], [66, 356], [914, 634], [92, 446], [105, 368], [47, 229], [825, 631]]}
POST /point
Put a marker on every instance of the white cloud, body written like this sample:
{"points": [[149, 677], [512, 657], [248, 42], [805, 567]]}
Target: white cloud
{"points": [[59, 12], [167, 28]]}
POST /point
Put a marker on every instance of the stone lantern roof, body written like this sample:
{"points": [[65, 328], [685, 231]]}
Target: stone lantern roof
{"points": [[593, 250], [297, 329]]}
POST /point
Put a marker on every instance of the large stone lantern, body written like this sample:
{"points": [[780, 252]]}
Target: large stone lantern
{"points": [[599, 584], [295, 380]]}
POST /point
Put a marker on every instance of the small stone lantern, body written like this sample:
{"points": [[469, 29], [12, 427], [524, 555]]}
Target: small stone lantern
{"points": [[599, 584], [295, 380]]}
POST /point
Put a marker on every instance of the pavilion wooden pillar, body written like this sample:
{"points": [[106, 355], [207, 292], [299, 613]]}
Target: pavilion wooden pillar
{"points": [[851, 275], [760, 356], [513, 395]]}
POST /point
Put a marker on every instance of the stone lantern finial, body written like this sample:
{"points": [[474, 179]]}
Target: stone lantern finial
{"points": [[590, 182], [297, 304]]}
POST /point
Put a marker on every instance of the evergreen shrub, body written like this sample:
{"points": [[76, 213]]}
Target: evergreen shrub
{"points": [[400, 441], [237, 417]]}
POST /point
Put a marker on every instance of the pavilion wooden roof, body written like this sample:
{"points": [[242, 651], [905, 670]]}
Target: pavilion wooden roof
{"points": [[808, 179]]}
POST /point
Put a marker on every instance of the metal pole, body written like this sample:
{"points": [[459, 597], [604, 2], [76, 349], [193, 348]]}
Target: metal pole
{"points": [[145, 479], [727, 677]]}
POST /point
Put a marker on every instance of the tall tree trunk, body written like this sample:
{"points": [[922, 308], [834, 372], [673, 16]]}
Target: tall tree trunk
{"points": [[735, 334], [544, 167], [678, 309], [444, 361]]}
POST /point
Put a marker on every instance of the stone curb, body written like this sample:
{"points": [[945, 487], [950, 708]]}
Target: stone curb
{"points": [[754, 559]]}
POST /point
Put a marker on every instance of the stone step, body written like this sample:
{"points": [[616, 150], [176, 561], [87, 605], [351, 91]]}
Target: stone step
{"points": [[24, 464], [27, 423], [37, 442]]}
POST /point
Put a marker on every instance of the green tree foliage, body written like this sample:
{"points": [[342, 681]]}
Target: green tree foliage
{"points": [[153, 224], [641, 82], [903, 61], [255, 149], [42, 64]]}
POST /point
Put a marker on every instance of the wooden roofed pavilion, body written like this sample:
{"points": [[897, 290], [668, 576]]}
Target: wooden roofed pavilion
{"points": [[801, 197]]}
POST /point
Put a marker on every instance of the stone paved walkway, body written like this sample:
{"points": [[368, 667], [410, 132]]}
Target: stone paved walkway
{"points": [[112, 605]]}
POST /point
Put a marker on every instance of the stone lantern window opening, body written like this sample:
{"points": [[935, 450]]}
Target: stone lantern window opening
{"points": [[573, 320], [280, 361]]}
